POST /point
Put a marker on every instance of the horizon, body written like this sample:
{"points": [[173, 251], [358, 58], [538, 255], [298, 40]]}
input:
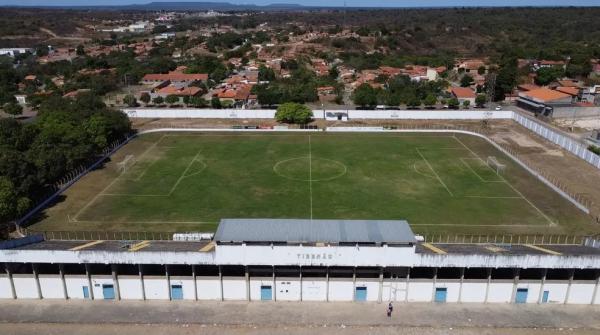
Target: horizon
{"points": [[316, 3]]}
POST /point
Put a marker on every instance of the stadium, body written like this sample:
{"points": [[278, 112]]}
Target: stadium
{"points": [[346, 214]]}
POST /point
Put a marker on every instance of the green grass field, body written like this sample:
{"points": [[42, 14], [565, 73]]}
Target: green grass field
{"points": [[440, 183]]}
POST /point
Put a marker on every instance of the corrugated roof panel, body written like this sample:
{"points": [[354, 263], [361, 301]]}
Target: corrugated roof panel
{"points": [[312, 231]]}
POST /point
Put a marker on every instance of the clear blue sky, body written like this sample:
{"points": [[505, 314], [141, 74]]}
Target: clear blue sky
{"points": [[372, 3]]}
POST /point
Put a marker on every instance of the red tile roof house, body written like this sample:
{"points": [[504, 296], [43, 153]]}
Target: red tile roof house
{"points": [[463, 94], [174, 77], [178, 91]]}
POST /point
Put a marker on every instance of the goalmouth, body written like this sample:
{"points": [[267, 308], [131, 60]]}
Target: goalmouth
{"points": [[493, 163]]}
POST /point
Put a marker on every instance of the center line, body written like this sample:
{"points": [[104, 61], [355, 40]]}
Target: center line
{"points": [[310, 176]]}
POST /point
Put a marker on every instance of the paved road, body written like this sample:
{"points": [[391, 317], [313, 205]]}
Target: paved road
{"points": [[294, 314]]}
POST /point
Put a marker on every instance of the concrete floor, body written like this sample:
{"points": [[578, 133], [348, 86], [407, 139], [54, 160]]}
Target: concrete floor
{"points": [[294, 314]]}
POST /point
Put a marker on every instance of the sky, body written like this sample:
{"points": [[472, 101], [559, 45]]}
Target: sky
{"points": [[358, 3]]}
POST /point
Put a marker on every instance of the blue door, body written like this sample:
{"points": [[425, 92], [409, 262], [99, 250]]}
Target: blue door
{"points": [[360, 294], [440, 294], [108, 291], [176, 292], [266, 292], [86, 292], [521, 297], [545, 296]]}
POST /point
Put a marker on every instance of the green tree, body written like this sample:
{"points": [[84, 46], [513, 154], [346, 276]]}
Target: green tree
{"points": [[466, 81], [13, 109], [365, 96], [546, 75], [414, 102], [130, 100], [198, 101], [145, 98], [158, 100], [80, 50], [430, 100], [453, 103], [292, 112], [215, 103], [172, 99], [481, 70], [265, 73], [8, 200], [466, 104], [480, 100]]}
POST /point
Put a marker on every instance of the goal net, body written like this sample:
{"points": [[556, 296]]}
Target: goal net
{"points": [[126, 163], [493, 163]]}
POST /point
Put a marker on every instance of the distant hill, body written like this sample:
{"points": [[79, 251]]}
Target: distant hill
{"points": [[184, 6]]}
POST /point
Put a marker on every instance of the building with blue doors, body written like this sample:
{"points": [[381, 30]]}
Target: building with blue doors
{"points": [[301, 260]]}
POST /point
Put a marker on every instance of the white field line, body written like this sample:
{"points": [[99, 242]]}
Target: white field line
{"points": [[111, 183], [490, 197], [183, 175], [552, 223], [432, 170], [310, 176], [145, 222], [464, 161], [421, 173], [476, 225]]}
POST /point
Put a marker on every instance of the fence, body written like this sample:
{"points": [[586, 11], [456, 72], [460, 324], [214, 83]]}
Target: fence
{"points": [[506, 239], [578, 149], [430, 238]]}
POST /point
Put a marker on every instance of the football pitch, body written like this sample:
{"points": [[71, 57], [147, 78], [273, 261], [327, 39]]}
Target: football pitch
{"points": [[439, 182]]}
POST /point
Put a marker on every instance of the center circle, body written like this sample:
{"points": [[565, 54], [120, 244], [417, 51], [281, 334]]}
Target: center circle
{"points": [[310, 169]]}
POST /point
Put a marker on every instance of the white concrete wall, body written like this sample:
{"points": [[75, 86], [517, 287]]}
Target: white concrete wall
{"points": [[394, 290], [453, 288], [200, 113], [500, 291], [156, 288], [98, 281], [288, 289], [341, 289], [187, 284], [130, 287], [235, 289], [581, 292], [314, 289], [5, 289], [557, 291], [75, 285], [473, 291], [209, 288], [420, 290], [51, 286], [25, 286]]}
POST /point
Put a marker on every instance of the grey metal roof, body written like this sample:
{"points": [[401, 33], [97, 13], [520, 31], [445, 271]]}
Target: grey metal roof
{"points": [[313, 231]]}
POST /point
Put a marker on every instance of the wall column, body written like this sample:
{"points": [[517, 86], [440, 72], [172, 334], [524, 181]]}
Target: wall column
{"points": [[327, 285], [487, 287], [168, 281], [142, 286], [515, 284], [36, 276], [300, 282], [61, 270], [594, 299], [89, 278], [541, 295], [460, 287], [221, 282], [247, 283], [435, 271], [380, 296], [274, 285], [116, 282], [571, 274], [195, 283], [10, 279], [407, 284], [354, 284]]}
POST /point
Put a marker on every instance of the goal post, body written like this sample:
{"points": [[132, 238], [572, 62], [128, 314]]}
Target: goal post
{"points": [[493, 163], [126, 163]]}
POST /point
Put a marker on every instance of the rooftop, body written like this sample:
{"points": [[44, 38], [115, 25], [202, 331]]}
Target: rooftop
{"points": [[314, 231], [545, 95], [462, 92]]}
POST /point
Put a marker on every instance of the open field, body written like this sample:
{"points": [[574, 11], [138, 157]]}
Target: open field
{"points": [[440, 183]]}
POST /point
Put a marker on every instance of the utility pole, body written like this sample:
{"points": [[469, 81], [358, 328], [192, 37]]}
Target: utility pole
{"points": [[490, 84]]}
